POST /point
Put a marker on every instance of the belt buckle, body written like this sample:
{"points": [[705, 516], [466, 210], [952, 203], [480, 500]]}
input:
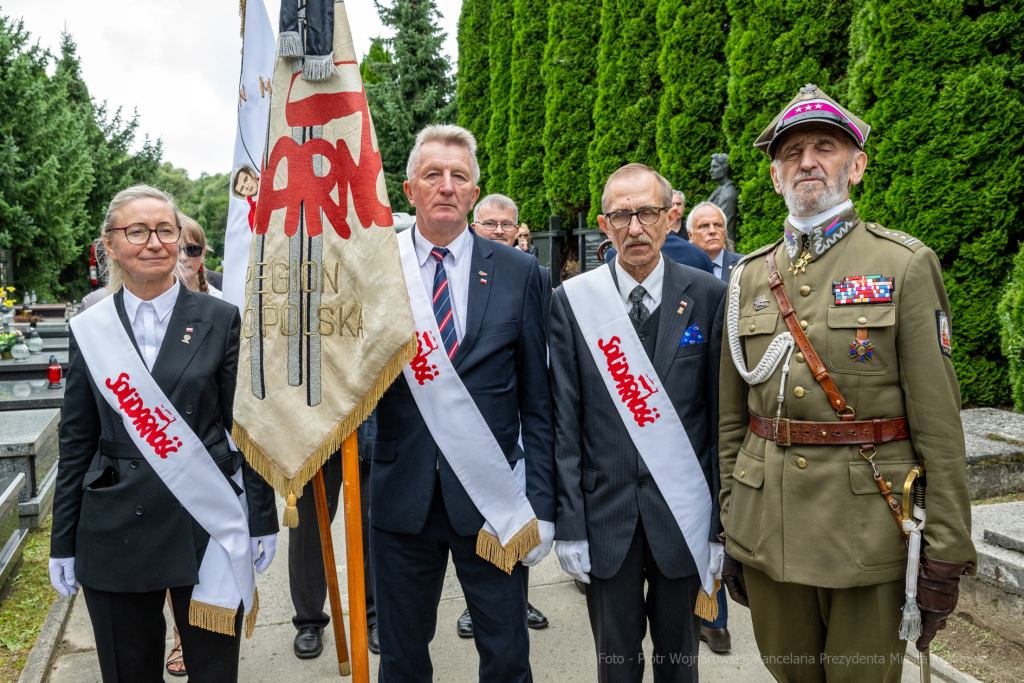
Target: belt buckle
{"points": [[780, 422]]}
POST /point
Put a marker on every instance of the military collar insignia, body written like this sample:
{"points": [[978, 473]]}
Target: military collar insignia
{"points": [[760, 303], [791, 240], [824, 237]]}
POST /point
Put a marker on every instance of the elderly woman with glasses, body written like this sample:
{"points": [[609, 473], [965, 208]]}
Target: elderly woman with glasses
{"points": [[151, 494]]}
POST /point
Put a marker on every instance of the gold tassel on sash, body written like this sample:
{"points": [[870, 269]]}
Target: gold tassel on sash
{"points": [[505, 557], [291, 513], [707, 605], [222, 619]]}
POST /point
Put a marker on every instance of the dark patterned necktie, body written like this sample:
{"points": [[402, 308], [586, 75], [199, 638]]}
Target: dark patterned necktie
{"points": [[443, 303], [639, 312]]}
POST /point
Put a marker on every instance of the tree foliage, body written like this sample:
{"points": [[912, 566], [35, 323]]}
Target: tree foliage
{"points": [[392, 120], [570, 72], [526, 117], [61, 160], [772, 50], [629, 90], [473, 91], [947, 153], [502, 15], [694, 76]]}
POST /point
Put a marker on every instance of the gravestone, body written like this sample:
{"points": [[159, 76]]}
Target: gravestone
{"points": [[12, 537], [29, 446]]}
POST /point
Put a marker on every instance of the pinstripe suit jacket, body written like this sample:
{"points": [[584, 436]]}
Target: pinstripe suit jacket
{"points": [[604, 486]]}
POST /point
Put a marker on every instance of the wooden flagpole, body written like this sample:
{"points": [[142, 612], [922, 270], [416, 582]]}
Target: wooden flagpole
{"points": [[354, 550], [323, 518]]}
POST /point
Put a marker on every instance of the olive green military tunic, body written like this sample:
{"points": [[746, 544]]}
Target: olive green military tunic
{"points": [[812, 514]]}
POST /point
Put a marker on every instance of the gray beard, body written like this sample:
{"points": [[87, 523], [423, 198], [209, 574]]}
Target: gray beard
{"points": [[833, 195]]}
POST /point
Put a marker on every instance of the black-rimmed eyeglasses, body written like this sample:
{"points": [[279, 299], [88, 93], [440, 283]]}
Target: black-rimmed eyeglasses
{"points": [[140, 234], [649, 215]]}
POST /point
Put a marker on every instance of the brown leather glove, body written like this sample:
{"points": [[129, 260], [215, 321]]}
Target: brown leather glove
{"points": [[938, 586], [732, 577]]}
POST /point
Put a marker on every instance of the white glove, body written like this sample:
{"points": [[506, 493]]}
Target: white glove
{"points": [[547, 537], [263, 559], [717, 559], [574, 556], [62, 575]]}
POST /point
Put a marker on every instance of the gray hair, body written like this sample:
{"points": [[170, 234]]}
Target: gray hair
{"points": [[682, 195], [115, 276], [630, 170], [446, 134], [704, 205], [497, 200]]}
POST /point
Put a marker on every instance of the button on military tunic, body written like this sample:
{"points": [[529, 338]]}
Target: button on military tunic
{"points": [[812, 514]]}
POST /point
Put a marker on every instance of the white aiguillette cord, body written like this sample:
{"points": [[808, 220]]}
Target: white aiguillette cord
{"points": [[782, 345]]}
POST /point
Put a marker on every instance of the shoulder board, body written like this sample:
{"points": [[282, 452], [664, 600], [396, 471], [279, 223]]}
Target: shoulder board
{"points": [[759, 252], [911, 243]]}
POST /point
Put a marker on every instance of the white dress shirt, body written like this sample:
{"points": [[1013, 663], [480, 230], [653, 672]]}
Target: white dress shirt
{"points": [[717, 262], [652, 284], [804, 224], [456, 266], [149, 320]]}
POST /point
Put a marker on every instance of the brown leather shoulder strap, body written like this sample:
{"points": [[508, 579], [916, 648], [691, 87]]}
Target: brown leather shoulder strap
{"points": [[815, 364]]}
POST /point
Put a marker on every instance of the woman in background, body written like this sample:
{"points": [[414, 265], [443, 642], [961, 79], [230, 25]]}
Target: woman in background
{"points": [[192, 258]]}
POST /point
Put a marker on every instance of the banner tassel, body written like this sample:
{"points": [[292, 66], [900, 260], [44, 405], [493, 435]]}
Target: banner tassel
{"points": [[289, 44], [318, 68], [707, 605], [290, 518]]}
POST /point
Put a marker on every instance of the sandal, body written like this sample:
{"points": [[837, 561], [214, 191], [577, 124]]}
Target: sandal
{"points": [[176, 661]]}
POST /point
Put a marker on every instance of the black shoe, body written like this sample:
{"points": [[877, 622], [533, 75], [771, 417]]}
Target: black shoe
{"points": [[371, 639], [718, 639], [309, 642], [465, 625], [534, 619], [580, 586]]}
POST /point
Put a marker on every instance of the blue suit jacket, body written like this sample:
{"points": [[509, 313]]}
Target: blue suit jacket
{"points": [[502, 361], [729, 261], [680, 251]]}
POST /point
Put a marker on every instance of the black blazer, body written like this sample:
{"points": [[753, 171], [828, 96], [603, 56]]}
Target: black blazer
{"points": [[729, 261], [603, 483], [111, 511], [502, 362]]}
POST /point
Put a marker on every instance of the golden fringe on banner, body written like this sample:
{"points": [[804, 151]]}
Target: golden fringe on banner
{"points": [[241, 13], [707, 605], [222, 619], [291, 489], [504, 558]]}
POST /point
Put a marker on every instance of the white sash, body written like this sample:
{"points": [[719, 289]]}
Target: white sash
{"points": [[645, 409], [462, 433], [183, 464]]}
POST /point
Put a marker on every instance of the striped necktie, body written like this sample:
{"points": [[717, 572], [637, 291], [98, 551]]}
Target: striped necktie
{"points": [[443, 303]]}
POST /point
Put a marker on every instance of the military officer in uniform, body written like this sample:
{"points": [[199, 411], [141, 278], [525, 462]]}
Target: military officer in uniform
{"points": [[836, 365]]}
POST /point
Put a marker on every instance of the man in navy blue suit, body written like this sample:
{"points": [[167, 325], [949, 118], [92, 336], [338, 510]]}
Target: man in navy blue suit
{"points": [[487, 301], [706, 226]]}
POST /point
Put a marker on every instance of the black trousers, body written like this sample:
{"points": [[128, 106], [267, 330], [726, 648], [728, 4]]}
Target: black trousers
{"points": [[409, 590], [130, 632], [306, 574], [619, 613]]}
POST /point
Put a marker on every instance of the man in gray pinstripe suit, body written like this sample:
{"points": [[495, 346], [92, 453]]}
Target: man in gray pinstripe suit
{"points": [[614, 528]]}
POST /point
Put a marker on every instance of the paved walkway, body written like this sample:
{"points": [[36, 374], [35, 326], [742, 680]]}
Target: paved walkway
{"points": [[562, 653]]}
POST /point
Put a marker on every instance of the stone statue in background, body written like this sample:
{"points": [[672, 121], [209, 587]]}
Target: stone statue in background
{"points": [[725, 196]]}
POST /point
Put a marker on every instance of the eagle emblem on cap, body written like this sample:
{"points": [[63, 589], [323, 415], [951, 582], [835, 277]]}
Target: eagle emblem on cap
{"points": [[808, 92]]}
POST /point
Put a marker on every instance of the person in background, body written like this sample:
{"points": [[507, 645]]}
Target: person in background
{"points": [[679, 204], [306, 577], [214, 278], [192, 258], [127, 525], [706, 227], [525, 242], [97, 295]]}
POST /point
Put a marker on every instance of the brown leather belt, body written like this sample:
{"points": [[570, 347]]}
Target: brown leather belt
{"points": [[847, 433]]}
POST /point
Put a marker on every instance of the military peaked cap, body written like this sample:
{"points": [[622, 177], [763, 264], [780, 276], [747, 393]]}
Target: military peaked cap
{"points": [[811, 105]]}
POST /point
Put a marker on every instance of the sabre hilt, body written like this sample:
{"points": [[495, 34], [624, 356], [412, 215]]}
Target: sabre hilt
{"points": [[919, 492]]}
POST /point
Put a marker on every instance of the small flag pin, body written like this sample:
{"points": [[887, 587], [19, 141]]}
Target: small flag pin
{"points": [[483, 282], [188, 329]]}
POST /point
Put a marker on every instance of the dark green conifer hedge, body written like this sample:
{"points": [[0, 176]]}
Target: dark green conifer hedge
{"points": [[629, 90], [473, 92], [502, 13], [570, 72], [694, 77], [773, 49], [941, 84], [526, 113]]}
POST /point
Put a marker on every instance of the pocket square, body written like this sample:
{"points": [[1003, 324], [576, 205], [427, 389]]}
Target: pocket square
{"points": [[691, 336]]}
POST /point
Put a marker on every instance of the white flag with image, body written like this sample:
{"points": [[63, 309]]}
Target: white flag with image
{"points": [[259, 49]]}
